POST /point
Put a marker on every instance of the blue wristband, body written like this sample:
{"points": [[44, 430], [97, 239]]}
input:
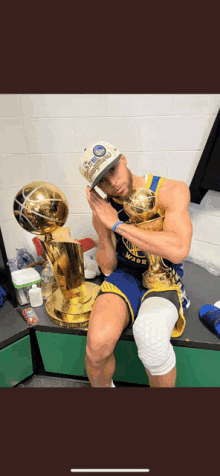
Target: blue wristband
{"points": [[116, 224]]}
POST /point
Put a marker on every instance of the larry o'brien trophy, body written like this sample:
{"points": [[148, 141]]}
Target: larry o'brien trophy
{"points": [[142, 208], [42, 209]]}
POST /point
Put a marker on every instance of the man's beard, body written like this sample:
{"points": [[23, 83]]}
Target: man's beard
{"points": [[123, 198]]}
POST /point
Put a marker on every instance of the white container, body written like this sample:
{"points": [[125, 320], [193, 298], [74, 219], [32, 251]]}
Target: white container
{"points": [[23, 280], [47, 281], [35, 294]]}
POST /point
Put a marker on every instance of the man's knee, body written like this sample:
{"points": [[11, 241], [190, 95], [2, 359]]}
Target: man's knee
{"points": [[108, 319], [152, 332], [100, 346]]}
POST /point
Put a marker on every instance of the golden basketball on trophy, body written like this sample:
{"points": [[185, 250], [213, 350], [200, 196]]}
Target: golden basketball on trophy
{"points": [[141, 205], [42, 209], [142, 208]]}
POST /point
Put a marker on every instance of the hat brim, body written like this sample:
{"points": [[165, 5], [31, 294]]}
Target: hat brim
{"points": [[105, 170]]}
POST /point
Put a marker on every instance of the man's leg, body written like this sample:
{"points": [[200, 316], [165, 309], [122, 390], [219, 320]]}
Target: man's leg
{"points": [[108, 319], [152, 332], [167, 380]]}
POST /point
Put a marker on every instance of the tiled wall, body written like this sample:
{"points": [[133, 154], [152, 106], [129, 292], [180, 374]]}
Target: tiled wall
{"points": [[43, 136]]}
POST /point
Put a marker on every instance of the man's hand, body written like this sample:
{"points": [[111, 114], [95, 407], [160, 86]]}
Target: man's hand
{"points": [[102, 210]]}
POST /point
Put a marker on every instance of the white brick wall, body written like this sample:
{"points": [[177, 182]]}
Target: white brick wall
{"points": [[43, 136]]}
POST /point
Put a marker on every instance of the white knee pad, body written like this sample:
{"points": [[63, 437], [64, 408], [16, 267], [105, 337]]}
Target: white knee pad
{"points": [[152, 332]]}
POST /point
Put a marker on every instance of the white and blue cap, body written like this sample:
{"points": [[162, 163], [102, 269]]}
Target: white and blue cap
{"points": [[97, 159]]}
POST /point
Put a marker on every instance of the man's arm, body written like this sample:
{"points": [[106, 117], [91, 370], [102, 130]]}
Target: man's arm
{"points": [[173, 242], [106, 254]]}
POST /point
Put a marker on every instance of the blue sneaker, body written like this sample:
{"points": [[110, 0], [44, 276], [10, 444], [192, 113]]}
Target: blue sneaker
{"points": [[211, 315]]}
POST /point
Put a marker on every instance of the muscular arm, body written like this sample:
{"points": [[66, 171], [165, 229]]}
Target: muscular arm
{"points": [[173, 242], [106, 254]]}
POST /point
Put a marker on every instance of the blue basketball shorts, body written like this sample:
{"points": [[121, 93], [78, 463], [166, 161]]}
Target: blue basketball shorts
{"points": [[130, 288]]}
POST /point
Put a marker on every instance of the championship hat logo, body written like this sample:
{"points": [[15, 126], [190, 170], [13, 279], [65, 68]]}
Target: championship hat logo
{"points": [[97, 159]]}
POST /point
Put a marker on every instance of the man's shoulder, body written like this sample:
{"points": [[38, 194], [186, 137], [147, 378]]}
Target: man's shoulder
{"points": [[171, 190], [169, 185]]}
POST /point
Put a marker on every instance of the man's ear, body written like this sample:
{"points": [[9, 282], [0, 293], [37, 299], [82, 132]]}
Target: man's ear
{"points": [[123, 159]]}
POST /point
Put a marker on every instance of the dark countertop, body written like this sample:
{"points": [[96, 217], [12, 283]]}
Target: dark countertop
{"points": [[201, 288], [12, 325]]}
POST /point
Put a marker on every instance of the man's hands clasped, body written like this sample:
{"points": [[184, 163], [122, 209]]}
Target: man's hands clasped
{"points": [[102, 210]]}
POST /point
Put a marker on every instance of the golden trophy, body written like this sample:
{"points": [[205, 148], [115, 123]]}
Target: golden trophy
{"points": [[42, 209], [142, 208]]}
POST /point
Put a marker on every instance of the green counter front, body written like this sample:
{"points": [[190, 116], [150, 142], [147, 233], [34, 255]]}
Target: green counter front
{"points": [[62, 353], [65, 354], [15, 362]]}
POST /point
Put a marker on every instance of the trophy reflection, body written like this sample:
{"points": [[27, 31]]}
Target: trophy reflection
{"points": [[42, 209], [142, 208]]}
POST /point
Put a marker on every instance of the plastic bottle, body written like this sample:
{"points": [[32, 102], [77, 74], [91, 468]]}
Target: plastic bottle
{"points": [[46, 281], [35, 294]]}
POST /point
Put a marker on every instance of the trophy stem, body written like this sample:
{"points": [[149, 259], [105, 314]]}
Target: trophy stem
{"points": [[48, 238]]}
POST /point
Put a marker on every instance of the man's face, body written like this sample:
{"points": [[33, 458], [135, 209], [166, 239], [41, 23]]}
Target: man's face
{"points": [[117, 182]]}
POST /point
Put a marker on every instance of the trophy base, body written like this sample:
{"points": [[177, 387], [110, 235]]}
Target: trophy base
{"points": [[159, 280], [80, 312]]}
